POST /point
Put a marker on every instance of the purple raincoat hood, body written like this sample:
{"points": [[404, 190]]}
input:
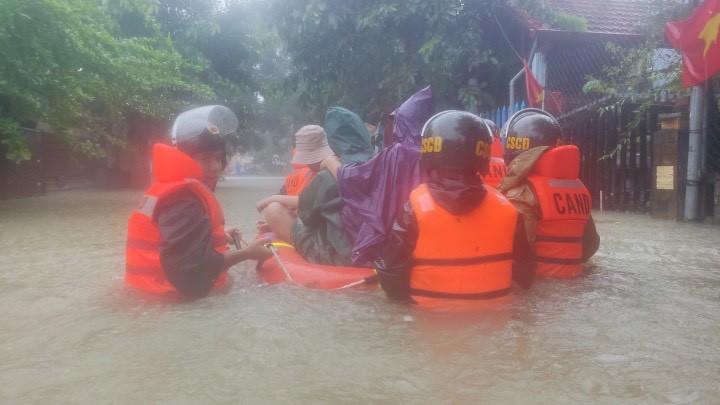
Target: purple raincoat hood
{"points": [[375, 192], [409, 118]]}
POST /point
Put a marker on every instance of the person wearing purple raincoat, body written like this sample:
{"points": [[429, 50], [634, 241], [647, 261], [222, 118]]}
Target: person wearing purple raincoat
{"points": [[374, 192]]}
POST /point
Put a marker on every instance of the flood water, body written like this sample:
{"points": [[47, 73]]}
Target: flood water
{"points": [[642, 326]]}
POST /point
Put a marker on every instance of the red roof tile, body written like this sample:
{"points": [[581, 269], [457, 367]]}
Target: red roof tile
{"points": [[606, 16]]}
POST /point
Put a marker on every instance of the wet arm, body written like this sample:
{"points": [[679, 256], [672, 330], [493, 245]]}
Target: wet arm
{"points": [[590, 240], [187, 254], [524, 262], [523, 199], [332, 164], [233, 257], [290, 201], [255, 251], [394, 264]]}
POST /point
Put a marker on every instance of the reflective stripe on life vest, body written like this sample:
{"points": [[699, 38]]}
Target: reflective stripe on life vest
{"points": [[497, 168], [496, 172], [142, 252], [565, 207], [297, 180], [462, 257]]}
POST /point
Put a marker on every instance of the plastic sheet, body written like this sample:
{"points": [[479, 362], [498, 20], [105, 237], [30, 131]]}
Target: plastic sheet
{"points": [[322, 238], [375, 192], [348, 136]]}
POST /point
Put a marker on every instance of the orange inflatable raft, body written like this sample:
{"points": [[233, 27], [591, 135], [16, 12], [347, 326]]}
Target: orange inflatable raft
{"points": [[314, 276]]}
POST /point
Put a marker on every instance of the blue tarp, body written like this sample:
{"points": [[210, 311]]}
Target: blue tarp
{"points": [[375, 192]]}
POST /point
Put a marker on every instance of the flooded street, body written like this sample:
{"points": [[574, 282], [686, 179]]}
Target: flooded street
{"points": [[642, 326]]}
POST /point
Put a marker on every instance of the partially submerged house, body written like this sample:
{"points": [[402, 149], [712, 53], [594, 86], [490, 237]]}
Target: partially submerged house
{"points": [[620, 159], [563, 60]]}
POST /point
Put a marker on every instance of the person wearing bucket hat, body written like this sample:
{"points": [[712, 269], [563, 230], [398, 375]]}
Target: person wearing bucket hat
{"points": [[311, 148], [177, 241], [317, 232]]}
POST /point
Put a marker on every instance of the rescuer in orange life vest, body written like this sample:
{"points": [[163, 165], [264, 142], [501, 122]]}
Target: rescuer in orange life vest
{"points": [[456, 238], [542, 182], [311, 148], [177, 241], [497, 162]]}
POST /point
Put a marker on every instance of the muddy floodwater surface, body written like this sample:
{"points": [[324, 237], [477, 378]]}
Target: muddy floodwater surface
{"points": [[641, 326]]}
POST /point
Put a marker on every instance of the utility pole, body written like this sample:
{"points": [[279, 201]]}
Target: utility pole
{"points": [[695, 150]]}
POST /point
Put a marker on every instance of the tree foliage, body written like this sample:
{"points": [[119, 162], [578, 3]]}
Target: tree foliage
{"points": [[69, 65], [641, 72], [367, 54], [87, 67], [633, 69]]}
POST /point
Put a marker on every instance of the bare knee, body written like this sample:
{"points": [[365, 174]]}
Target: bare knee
{"points": [[275, 211], [280, 219]]}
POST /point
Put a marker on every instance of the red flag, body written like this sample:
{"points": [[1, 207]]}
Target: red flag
{"points": [[555, 103], [534, 88], [697, 39]]}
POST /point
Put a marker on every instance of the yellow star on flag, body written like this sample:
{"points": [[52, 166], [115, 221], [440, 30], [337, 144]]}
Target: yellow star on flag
{"points": [[709, 34]]}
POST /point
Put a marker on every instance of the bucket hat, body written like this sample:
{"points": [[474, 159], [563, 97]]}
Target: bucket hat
{"points": [[311, 145]]}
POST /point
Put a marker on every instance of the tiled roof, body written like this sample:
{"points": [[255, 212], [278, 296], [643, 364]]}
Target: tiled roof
{"points": [[605, 16]]}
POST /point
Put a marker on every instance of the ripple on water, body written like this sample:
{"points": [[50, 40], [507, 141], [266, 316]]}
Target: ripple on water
{"points": [[641, 326]]}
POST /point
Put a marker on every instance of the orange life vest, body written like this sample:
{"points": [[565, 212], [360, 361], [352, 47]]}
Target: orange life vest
{"points": [[496, 172], [298, 179], [173, 171], [497, 165], [565, 206], [462, 257]]}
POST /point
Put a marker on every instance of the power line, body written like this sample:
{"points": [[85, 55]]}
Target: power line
{"points": [[508, 40]]}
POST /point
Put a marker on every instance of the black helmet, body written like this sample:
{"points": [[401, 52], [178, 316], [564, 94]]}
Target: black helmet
{"points": [[456, 140], [494, 130], [530, 128], [203, 129]]}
